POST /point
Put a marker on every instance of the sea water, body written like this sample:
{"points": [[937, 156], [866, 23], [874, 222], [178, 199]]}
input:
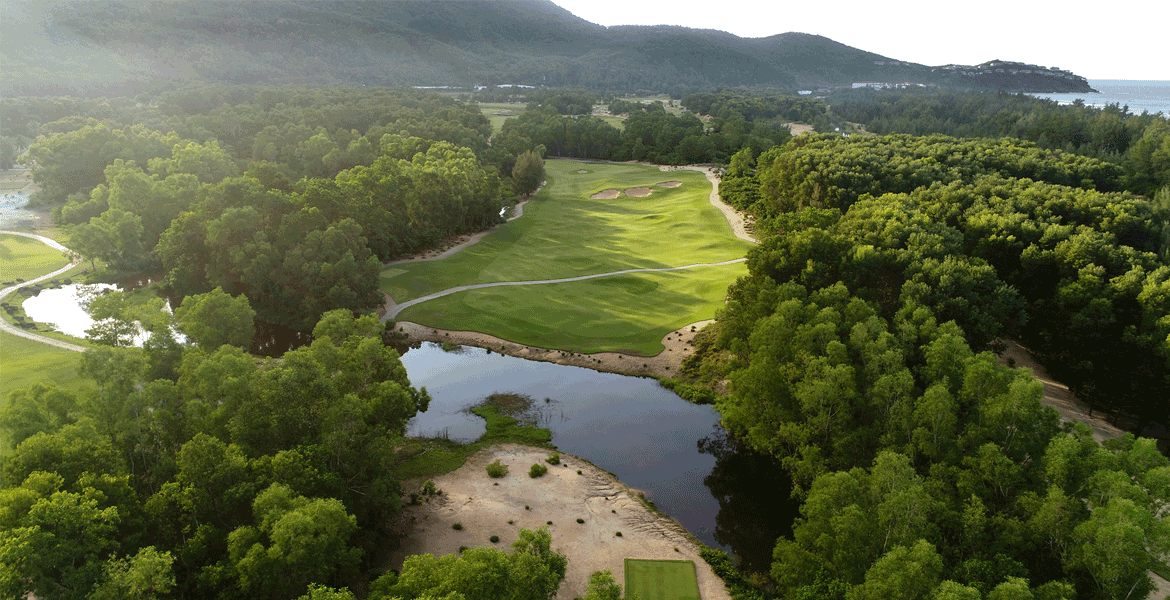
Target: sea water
{"points": [[1140, 96]]}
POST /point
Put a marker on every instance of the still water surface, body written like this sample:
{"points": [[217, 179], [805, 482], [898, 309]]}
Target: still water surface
{"points": [[646, 435], [676, 452]]}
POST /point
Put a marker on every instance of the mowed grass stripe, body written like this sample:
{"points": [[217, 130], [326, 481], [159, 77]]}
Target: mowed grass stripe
{"points": [[661, 579], [622, 313], [564, 233], [26, 258]]}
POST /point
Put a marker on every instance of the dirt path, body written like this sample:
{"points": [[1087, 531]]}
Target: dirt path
{"points": [[8, 327], [1058, 396], [392, 311], [463, 241], [562, 496], [737, 220]]}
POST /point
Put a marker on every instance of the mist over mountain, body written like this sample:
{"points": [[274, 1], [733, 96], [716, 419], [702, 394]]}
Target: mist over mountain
{"points": [[101, 47]]}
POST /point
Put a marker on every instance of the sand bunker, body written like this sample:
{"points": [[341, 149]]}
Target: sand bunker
{"points": [[638, 192], [609, 194], [670, 184], [604, 505], [582, 171]]}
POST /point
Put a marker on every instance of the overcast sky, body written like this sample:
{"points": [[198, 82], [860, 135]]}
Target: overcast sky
{"points": [[1098, 40]]}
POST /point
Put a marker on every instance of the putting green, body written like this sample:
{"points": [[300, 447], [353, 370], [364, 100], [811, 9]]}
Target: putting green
{"points": [[661, 579], [564, 233], [26, 258]]}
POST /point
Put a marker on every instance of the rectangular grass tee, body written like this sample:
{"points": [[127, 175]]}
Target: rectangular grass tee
{"points": [[661, 579]]}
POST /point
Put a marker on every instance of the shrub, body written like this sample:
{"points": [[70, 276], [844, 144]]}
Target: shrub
{"points": [[618, 534], [526, 507], [580, 520], [497, 469], [509, 521], [495, 539], [457, 527], [537, 470], [549, 522], [428, 488], [554, 458], [578, 471]]}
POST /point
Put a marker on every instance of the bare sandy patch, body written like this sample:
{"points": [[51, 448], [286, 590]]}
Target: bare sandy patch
{"points": [[609, 194], [582, 171], [678, 345], [638, 192], [799, 128], [1057, 394], [670, 184], [562, 496]]}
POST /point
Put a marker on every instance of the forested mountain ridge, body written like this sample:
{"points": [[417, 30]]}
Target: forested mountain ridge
{"points": [[102, 47]]}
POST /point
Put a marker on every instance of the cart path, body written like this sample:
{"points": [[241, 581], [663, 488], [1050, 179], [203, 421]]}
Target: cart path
{"points": [[392, 309], [7, 327]]}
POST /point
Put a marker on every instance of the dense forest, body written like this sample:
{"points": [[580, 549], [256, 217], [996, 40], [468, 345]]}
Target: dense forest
{"points": [[859, 352], [292, 196]]}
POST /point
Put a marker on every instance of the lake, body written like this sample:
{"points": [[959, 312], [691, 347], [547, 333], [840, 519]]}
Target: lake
{"points": [[646, 435]]}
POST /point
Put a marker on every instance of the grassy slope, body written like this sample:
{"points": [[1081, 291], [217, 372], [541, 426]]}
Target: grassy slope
{"points": [[25, 362], [564, 234], [624, 313]]}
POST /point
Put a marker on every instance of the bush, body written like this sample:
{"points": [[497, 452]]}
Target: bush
{"points": [[537, 470], [495, 539], [618, 534], [457, 527], [497, 469], [580, 520], [554, 458], [428, 488]]}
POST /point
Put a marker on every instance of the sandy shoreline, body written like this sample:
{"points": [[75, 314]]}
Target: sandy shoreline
{"points": [[562, 496], [664, 364]]}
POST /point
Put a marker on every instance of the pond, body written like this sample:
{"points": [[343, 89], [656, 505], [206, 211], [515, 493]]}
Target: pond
{"points": [[646, 435], [64, 308]]}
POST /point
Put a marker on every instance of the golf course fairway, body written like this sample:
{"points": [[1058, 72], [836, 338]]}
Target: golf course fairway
{"points": [[565, 233]]}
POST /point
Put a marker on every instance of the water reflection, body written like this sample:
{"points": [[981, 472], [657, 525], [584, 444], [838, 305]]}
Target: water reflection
{"points": [[650, 438], [756, 507]]}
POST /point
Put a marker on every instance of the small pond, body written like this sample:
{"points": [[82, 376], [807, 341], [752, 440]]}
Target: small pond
{"points": [[648, 436], [64, 308]]}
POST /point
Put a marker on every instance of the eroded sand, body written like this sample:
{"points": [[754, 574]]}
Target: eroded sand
{"points": [[670, 184], [664, 364], [607, 506]]}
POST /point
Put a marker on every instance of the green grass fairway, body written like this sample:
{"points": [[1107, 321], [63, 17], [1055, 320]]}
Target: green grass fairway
{"points": [[498, 112], [661, 579], [564, 233], [624, 313], [26, 258]]}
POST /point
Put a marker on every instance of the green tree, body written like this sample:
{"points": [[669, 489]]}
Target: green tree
{"points": [[528, 173], [213, 319], [144, 576]]}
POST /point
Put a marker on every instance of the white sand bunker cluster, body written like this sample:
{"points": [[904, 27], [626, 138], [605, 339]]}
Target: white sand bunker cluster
{"points": [[634, 192], [571, 491]]}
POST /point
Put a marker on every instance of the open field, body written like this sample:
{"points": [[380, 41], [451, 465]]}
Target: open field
{"points": [[498, 112], [665, 579], [25, 258], [624, 313], [564, 234]]}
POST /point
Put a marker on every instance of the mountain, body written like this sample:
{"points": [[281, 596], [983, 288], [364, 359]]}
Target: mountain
{"points": [[107, 46]]}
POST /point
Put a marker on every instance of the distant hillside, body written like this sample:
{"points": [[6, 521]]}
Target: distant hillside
{"points": [[92, 47]]}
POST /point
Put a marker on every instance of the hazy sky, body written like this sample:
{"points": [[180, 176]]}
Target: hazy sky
{"points": [[1100, 40]]}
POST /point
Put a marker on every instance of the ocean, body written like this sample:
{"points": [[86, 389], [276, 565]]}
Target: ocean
{"points": [[1150, 96]]}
